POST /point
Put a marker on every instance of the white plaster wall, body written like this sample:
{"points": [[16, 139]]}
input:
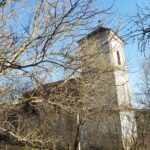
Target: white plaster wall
{"points": [[120, 73], [117, 45], [128, 123], [129, 129], [123, 93]]}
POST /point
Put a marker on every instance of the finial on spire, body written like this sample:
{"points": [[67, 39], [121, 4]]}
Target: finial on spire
{"points": [[101, 23]]}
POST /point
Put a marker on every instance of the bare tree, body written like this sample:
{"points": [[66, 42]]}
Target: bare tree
{"points": [[138, 28], [41, 36], [143, 96], [38, 38]]}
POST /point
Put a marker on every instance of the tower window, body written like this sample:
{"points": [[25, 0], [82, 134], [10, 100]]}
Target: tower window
{"points": [[118, 58]]}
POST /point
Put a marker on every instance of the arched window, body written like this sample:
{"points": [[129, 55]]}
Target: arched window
{"points": [[118, 58]]}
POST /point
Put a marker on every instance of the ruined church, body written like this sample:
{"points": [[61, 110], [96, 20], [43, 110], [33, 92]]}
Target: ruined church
{"points": [[91, 112]]}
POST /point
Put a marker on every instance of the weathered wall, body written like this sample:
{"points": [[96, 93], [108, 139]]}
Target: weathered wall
{"points": [[102, 131], [98, 72], [143, 128]]}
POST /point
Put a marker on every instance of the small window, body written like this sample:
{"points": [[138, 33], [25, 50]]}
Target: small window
{"points": [[118, 58]]}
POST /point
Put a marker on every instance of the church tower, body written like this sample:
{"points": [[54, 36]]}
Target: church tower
{"points": [[103, 62], [106, 80]]}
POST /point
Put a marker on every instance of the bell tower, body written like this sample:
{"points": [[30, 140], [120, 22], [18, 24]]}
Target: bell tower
{"points": [[103, 65], [106, 82]]}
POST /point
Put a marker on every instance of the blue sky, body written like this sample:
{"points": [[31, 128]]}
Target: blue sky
{"points": [[121, 10]]}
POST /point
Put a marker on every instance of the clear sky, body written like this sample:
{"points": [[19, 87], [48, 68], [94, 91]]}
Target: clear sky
{"points": [[121, 10]]}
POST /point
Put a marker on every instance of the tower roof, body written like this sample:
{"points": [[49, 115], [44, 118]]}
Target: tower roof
{"points": [[97, 30]]}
